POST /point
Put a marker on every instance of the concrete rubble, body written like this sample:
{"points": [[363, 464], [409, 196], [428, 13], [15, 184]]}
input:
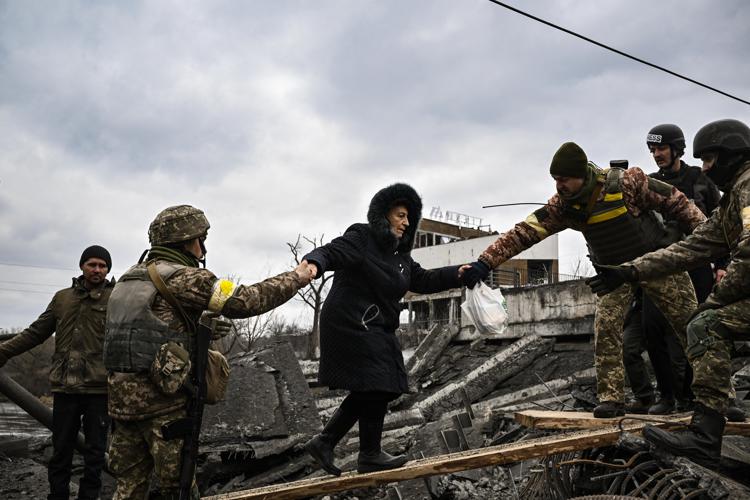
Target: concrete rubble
{"points": [[465, 397], [465, 394]]}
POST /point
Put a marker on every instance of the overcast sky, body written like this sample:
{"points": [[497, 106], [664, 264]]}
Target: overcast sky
{"points": [[284, 117]]}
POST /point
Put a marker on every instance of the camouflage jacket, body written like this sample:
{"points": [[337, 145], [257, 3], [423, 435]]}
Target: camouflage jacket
{"points": [[640, 193], [726, 233], [76, 315], [133, 396]]}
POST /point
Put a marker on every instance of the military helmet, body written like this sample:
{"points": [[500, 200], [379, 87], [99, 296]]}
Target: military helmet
{"points": [[731, 136], [667, 133], [177, 224]]}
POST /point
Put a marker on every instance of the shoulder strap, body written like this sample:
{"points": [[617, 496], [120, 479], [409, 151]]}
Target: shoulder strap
{"points": [[158, 282]]}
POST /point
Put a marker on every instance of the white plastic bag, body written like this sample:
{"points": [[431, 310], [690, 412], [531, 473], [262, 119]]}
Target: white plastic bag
{"points": [[485, 307]]}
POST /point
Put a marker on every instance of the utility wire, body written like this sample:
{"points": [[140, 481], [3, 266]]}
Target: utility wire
{"points": [[624, 54], [29, 283], [24, 291], [36, 267]]}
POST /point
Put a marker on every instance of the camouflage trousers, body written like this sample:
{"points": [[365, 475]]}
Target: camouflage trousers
{"points": [[674, 295], [710, 337], [137, 450]]}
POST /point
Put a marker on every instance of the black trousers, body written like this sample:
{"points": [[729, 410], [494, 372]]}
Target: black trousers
{"points": [[633, 344], [369, 408], [69, 412], [671, 367]]}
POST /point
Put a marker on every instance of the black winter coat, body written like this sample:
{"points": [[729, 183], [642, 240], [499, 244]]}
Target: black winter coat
{"points": [[359, 350]]}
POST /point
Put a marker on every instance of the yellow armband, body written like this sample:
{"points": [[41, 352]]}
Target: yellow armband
{"points": [[222, 290]]}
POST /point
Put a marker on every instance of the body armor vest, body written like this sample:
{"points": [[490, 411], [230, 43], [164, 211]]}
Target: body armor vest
{"points": [[684, 180], [133, 333], [613, 235]]}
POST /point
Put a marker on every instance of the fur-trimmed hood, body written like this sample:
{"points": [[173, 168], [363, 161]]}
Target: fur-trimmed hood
{"points": [[379, 206]]}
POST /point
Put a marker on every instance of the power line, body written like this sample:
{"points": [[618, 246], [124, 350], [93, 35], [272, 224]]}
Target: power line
{"points": [[24, 291], [624, 54], [30, 283], [36, 267]]}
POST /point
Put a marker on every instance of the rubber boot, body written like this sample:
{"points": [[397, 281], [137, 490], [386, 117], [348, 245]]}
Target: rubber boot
{"points": [[735, 412], [662, 407], [700, 442], [321, 446], [371, 457], [609, 409]]}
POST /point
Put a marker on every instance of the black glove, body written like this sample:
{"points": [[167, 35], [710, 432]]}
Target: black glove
{"points": [[702, 307], [220, 328], [609, 278], [476, 273]]}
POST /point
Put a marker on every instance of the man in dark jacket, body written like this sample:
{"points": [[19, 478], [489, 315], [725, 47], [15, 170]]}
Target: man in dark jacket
{"points": [[77, 376], [666, 143], [359, 350]]}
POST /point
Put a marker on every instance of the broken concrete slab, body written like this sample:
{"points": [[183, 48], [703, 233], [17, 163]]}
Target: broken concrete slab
{"points": [[267, 398], [429, 350], [482, 380], [539, 393]]}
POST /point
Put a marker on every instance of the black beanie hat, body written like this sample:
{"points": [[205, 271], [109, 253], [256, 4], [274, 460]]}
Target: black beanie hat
{"points": [[569, 161], [97, 252]]}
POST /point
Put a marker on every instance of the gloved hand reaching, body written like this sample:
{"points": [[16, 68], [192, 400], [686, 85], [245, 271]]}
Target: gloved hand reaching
{"points": [[220, 327], [608, 278], [476, 272]]}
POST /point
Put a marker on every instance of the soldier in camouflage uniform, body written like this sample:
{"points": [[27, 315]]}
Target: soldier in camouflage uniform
{"points": [[613, 209], [724, 148], [140, 320]]}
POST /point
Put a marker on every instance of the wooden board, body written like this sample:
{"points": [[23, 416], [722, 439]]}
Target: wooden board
{"points": [[442, 464], [566, 420]]}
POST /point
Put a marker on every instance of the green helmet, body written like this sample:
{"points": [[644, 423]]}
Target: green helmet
{"points": [[177, 224]]}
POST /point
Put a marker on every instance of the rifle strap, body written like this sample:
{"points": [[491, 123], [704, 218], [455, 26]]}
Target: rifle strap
{"points": [[164, 291]]}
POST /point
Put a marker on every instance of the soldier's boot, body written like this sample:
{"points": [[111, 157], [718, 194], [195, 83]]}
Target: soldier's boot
{"points": [[662, 407], [700, 442], [174, 494], [321, 446], [684, 405], [640, 406], [609, 409], [735, 412], [371, 457]]}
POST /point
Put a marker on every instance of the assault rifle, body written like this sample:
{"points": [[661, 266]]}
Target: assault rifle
{"points": [[189, 428]]}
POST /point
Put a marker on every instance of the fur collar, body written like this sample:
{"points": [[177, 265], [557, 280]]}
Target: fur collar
{"points": [[379, 206]]}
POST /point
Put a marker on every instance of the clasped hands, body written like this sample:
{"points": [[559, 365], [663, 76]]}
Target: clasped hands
{"points": [[306, 271]]}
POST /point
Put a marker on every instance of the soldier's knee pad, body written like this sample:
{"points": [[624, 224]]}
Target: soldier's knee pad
{"points": [[703, 332]]}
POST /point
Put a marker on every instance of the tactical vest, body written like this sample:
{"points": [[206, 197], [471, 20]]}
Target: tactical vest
{"points": [[613, 235], [133, 333], [684, 180]]}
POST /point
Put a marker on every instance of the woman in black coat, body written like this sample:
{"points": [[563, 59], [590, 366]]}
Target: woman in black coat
{"points": [[359, 350]]}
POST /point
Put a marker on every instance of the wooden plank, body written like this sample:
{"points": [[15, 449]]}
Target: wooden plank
{"points": [[567, 420], [442, 464]]}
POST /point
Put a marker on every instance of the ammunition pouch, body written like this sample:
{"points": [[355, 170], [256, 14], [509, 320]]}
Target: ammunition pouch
{"points": [[217, 377], [171, 368]]}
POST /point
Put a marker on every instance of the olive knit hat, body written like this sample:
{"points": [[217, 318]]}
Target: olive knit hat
{"points": [[569, 161]]}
